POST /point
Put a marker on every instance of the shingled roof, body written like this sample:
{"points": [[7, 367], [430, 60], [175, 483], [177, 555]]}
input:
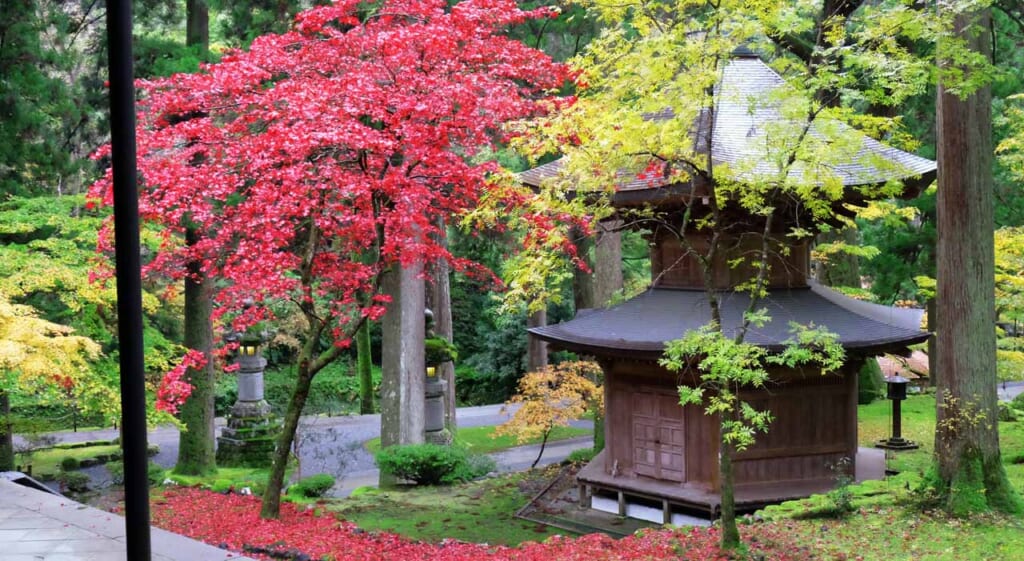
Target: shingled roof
{"points": [[744, 114], [639, 328]]}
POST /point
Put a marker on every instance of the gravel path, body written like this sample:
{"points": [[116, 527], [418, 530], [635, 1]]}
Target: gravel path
{"points": [[334, 445]]}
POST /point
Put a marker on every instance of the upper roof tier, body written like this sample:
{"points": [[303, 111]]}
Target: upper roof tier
{"points": [[747, 108], [640, 327]]}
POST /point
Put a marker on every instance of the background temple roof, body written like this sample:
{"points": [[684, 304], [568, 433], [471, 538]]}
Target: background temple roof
{"points": [[744, 117]]}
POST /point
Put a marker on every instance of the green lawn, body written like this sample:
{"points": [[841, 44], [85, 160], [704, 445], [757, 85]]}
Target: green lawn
{"points": [[480, 440], [46, 462], [888, 522], [478, 511]]}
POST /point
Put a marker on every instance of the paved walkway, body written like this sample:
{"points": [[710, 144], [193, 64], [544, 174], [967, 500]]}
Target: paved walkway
{"points": [[38, 526]]}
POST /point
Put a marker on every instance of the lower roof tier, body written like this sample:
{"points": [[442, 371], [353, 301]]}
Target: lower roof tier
{"points": [[640, 327]]}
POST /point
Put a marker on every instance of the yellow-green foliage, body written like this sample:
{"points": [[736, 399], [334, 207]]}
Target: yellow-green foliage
{"points": [[552, 397], [38, 357]]}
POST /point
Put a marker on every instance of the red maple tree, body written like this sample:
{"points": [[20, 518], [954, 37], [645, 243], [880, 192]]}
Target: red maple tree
{"points": [[310, 164]]}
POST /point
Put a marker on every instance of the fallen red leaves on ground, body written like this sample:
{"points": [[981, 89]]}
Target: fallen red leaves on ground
{"points": [[233, 521]]}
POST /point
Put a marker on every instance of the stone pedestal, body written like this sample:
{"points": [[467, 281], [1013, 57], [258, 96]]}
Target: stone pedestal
{"points": [[434, 430], [249, 438]]}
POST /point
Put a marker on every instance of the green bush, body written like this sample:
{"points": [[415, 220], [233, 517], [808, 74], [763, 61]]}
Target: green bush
{"points": [[221, 486], [869, 382], [1007, 413], [69, 463], [313, 486], [432, 464], [74, 481], [154, 473], [581, 456], [1018, 402], [473, 387]]}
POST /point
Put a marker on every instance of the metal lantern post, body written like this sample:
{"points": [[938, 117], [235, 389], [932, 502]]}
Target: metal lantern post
{"points": [[896, 391]]}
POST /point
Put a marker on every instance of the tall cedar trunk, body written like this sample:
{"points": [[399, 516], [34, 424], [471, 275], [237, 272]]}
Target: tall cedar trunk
{"points": [[607, 262], [403, 371], [536, 349], [197, 25], [196, 443], [583, 282], [364, 368], [6, 434], [271, 507], [441, 305], [933, 352], [608, 281], [969, 471]]}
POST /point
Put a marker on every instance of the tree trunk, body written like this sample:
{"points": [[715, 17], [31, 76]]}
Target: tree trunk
{"points": [[536, 350], [402, 361], [543, 444], [582, 282], [6, 434], [969, 473], [271, 507], [197, 25], [196, 443], [441, 304], [933, 352], [607, 262], [364, 368], [730, 533]]}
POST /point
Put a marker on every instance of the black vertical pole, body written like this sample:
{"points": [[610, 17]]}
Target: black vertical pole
{"points": [[129, 281], [897, 421]]}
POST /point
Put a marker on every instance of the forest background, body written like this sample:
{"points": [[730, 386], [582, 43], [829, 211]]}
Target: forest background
{"points": [[53, 117]]}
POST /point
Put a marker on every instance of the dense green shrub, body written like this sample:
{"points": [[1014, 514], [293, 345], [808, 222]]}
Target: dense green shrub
{"points": [[74, 481], [473, 387], [869, 382], [1008, 413], [581, 456], [154, 473], [313, 486], [69, 463], [432, 464], [1018, 402]]}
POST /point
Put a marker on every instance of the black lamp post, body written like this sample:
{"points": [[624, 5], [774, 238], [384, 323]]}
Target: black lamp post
{"points": [[896, 391]]}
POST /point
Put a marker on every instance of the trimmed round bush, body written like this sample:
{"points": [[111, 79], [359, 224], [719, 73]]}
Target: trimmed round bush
{"points": [[74, 481], [69, 464], [313, 486], [432, 464]]}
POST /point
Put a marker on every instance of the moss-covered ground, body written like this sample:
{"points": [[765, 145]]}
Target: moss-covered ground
{"points": [[480, 511], [481, 440]]}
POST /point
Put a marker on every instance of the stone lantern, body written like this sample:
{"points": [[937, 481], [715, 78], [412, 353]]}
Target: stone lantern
{"points": [[437, 352], [249, 438]]}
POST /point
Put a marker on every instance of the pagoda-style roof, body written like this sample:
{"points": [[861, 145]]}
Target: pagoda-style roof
{"points": [[745, 112], [639, 328]]}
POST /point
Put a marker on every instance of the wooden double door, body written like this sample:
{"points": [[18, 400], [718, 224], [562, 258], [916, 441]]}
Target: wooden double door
{"points": [[659, 437]]}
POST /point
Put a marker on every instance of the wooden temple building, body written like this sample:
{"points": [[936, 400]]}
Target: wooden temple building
{"points": [[665, 455]]}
